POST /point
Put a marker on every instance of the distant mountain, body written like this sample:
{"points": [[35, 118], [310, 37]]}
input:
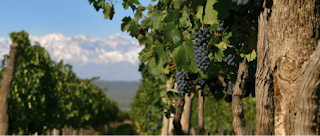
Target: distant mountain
{"points": [[112, 58], [122, 92]]}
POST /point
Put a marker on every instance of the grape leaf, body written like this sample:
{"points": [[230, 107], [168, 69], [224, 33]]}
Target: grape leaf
{"points": [[129, 25], [199, 13], [156, 19], [172, 16], [185, 20], [211, 15], [251, 56], [108, 11], [183, 57], [174, 36]]}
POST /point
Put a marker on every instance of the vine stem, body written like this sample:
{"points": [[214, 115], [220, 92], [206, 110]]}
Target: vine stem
{"points": [[237, 105], [177, 116]]}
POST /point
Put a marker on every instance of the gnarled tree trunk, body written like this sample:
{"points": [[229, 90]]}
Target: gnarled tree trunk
{"points": [[237, 105], [7, 78], [306, 98], [293, 30], [263, 83]]}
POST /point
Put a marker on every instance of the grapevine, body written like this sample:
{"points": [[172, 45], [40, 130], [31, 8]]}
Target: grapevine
{"points": [[193, 36]]}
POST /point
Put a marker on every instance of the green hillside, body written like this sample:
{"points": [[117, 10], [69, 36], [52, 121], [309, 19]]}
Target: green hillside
{"points": [[122, 92]]}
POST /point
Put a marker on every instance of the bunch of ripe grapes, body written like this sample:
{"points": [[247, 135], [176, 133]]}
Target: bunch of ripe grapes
{"points": [[200, 55], [182, 81]]}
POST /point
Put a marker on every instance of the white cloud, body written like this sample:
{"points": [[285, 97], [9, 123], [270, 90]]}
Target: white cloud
{"points": [[81, 49]]}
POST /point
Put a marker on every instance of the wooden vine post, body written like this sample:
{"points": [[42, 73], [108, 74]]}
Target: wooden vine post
{"points": [[200, 112], [186, 114], [7, 78]]}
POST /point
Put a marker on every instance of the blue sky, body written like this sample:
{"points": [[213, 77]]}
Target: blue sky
{"points": [[57, 21], [70, 17]]}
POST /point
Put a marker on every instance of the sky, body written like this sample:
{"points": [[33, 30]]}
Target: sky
{"points": [[72, 30]]}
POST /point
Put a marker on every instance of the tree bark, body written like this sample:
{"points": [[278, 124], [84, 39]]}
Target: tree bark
{"points": [[177, 116], [306, 100], [165, 120], [200, 112], [7, 78], [186, 114], [171, 126], [263, 90], [237, 105], [165, 125], [293, 30]]}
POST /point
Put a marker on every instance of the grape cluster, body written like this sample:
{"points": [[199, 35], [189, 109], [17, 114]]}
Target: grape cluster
{"points": [[200, 55], [229, 60], [201, 82], [228, 97], [240, 2], [182, 82]]}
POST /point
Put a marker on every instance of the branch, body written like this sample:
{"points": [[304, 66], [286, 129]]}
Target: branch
{"points": [[177, 116], [237, 105]]}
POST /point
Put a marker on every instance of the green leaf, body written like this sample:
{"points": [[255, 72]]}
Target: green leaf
{"points": [[153, 69], [172, 16], [129, 25], [156, 19], [174, 36], [97, 5], [199, 13], [131, 3], [251, 56], [218, 55], [185, 20], [183, 57], [108, 11], [211, 15], [169, 26], [222, 46], [180, 56], [161, 54]]}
